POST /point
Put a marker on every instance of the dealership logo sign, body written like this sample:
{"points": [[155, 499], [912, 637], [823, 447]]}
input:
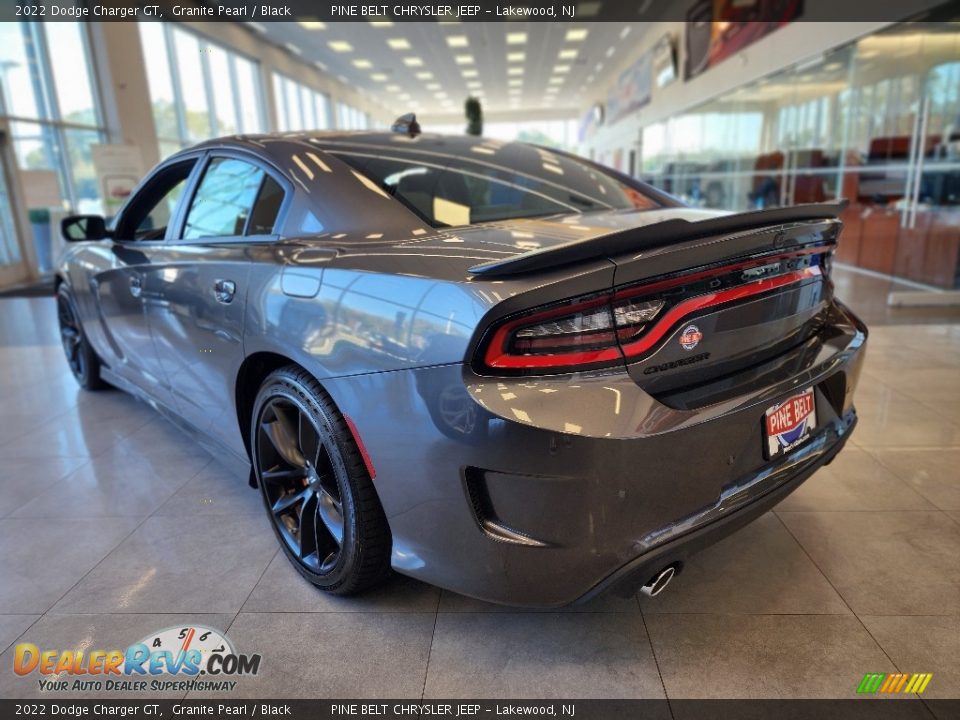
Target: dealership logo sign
{"points": [[153, 663], [690, 337]]}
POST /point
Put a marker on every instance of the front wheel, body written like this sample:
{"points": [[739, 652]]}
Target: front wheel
{"points": [[81, 357], [315, 486]]}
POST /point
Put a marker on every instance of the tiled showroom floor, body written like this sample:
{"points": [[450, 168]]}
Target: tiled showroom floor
{"points": [[113, 525]]}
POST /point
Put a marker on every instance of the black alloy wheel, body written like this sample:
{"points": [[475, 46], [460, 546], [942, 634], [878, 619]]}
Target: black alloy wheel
{"points": [[81, 357], [315, 485]]}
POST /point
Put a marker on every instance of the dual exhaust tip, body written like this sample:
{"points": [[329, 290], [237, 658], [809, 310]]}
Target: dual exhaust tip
{"points": [[658, 583]]}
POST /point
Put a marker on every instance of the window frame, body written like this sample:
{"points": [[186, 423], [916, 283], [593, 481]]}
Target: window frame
{"points": [[191, 190]]}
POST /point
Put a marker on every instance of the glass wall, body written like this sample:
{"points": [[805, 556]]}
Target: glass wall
{"points": [[876, 122], [198, 89], [52, 108], [298, 106], [349, 118]]}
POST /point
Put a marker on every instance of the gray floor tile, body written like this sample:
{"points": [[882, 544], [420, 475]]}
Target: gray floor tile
{"points": [[541, 655], [885, 563], [12, 627], [178, 564], [23, 480], [106, 486], [94, 632], [214, 491], [760, 569], [98, 422], [921, 644], [763, 656], [854, 481], [316, 655], [39, 564], [935, 474], [283, 589], [902, 422], [940, 385], [608, 603]]}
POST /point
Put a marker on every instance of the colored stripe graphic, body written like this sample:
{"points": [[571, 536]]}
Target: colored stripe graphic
{"points": [[894, 683], [871, 682]]}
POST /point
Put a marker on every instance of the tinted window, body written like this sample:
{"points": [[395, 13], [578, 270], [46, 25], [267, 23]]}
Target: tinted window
{"points": [[515, 182], [153, 225], [147, 214], [224, 199], [266, 209]]}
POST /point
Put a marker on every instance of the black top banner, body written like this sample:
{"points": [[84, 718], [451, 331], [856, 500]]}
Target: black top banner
{"points": [[468, 709], [765, 11]]}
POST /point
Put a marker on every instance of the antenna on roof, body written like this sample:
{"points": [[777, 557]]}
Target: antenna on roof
{"points": [[406, 124]]}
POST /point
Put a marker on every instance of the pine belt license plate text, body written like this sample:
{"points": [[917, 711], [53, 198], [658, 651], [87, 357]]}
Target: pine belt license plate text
{"points": [[790, 423]]}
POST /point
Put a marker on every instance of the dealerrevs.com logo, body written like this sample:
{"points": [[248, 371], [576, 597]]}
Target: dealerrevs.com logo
{"points": [[173, 659]]}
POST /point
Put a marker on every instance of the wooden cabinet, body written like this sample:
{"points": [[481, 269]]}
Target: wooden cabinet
{"points": [[878, 239]]}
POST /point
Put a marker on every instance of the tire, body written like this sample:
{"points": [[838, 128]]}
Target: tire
{"points": [[81, 357], [315, 485]]}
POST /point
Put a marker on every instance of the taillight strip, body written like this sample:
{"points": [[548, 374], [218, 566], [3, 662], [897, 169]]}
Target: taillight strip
{"points": [[702, 302], [722, 270], [496, 358]]}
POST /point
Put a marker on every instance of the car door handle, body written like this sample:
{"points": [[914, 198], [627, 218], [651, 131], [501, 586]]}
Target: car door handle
{"points": [[224, 290], [136, 289]]}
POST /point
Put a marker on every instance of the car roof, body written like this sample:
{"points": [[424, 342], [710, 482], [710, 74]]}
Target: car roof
{"points": [[278, 144]]}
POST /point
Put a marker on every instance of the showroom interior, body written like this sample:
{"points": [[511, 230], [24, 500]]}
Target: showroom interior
{"points": [[114, 524]]}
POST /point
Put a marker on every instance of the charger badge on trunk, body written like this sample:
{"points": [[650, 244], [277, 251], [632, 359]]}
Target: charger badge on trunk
{"points": [[690, 337]]}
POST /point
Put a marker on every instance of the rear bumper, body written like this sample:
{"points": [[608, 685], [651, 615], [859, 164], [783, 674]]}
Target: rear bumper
{"points": [[711, 525], [579, 485]]}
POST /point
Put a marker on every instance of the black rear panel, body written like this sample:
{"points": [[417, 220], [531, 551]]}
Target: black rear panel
{"points": [[728, 318]]}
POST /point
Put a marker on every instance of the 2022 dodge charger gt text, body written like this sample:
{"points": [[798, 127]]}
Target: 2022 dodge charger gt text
{"points": [[494, 367]]}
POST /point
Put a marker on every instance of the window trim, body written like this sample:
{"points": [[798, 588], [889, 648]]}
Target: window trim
{"points": [[191, 191]]}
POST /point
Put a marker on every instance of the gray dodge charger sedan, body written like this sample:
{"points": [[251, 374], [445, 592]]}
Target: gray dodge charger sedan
{"points": [[495, 367]]}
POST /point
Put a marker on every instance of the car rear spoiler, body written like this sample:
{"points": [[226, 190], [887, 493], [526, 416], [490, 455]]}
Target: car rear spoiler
{"points": [[655, 235]]}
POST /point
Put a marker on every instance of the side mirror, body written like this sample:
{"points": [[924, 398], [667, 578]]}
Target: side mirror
{"points": [[77, 228]]}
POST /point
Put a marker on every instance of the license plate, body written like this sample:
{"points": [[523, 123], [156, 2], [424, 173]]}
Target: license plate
{"points": [[790, 422]]}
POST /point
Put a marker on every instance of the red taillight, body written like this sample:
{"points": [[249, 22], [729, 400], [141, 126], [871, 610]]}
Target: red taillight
{"points": [[603, 329], [577, 333]]}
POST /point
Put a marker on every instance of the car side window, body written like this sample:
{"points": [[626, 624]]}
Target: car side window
{"points": [[266, 208], [148, 213], [224, 199]]}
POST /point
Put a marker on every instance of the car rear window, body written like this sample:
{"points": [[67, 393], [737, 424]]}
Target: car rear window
{"points": [[448, 190]]}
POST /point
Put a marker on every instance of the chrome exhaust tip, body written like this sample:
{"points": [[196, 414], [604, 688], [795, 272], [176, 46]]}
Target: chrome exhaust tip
{"points": [[658, 583]]}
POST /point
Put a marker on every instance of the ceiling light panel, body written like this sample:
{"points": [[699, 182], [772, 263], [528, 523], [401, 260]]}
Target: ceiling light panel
{"points": [[340, 46], [576, 34], [398, 44], [458, 41], [516, 38]]}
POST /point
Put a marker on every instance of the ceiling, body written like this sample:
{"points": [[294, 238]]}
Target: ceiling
{"points": [[431, 67]]}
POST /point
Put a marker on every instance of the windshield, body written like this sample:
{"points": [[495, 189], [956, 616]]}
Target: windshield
{"points": [[503, 182]]}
